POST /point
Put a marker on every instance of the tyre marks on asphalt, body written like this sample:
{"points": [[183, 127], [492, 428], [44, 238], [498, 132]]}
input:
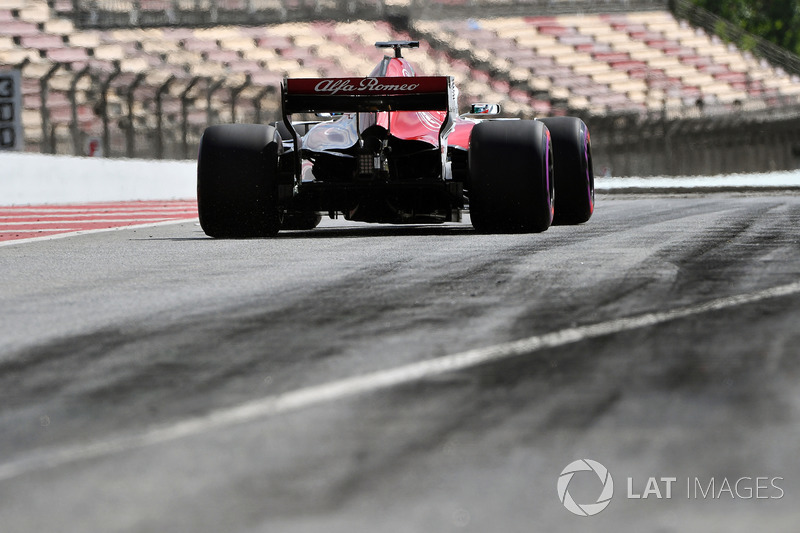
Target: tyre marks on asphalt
{"points": [[362, 384], [32, 223]]}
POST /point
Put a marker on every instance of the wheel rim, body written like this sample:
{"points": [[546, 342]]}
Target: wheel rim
{"points": [[587, 142], [549, 166]]}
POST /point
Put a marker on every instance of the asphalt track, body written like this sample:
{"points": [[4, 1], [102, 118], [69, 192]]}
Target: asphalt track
{"points": [[422, 378]]}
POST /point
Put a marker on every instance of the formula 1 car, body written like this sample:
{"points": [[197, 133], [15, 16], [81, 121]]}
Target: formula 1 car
{"points": [[392, 150]]}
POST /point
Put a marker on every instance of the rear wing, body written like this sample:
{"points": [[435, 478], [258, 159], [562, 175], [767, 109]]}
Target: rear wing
{"points": [[347, 95], [365, 95]]}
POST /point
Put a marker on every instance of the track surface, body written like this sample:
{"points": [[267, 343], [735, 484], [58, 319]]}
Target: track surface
{"points": [[153, 379]]}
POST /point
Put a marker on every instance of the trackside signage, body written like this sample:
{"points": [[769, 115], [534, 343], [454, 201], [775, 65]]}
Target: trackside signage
{"points": [[10, 110], [366, 86]]}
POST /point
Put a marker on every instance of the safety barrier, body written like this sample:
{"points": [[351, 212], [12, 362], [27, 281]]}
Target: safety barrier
{"points": [[701, 145]]}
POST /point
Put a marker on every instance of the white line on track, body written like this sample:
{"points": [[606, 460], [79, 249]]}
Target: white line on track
{"points": [[89, 209], [185, 206], [12, 242], [86, 221], [104, 212], [366, 383], [114, 214]]}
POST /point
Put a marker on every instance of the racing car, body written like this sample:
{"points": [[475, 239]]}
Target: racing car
{"points": [[392, 148]]}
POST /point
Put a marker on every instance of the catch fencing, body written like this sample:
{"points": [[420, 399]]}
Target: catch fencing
{"points": [[116, 114]]}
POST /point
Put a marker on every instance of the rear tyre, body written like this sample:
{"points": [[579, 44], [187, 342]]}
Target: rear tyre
{"points": [[574, 173], [510, 177], [237, 181]]}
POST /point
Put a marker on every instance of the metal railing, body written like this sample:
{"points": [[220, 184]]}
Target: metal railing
{"points": [[136, 119]]}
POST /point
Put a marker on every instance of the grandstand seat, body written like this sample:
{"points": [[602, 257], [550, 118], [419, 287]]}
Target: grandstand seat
{"points": [[275, 42], [695, 41], [62, 7], [19, 28], [57, 26], [572, 59], [161, 46], [33, 11], [695, 60], [83, 39], [714, 69], [17, 56], [7, 43], [240, 43], [42, 41], [215, 33], [194, 44], [243, 66], [610, 57], [592, 69], [176, 34], [68, 55], [129, 68], [306, 40], [221, 56], [259, 54], [628, 65], [207, 70], [576, 40]]}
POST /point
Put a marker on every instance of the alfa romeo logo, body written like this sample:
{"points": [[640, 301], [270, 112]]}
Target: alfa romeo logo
{"points": [[585, 509]]}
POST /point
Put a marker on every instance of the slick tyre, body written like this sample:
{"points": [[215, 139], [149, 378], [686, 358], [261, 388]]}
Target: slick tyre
{"points": [[511, 187], [574, 172], [237, 185]]}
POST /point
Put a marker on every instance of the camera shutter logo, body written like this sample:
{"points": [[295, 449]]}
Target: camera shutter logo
{"points": [[585, 509]]}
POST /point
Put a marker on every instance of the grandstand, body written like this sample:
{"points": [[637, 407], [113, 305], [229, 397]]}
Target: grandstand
{"points": [[631, 62], [144, 78]]}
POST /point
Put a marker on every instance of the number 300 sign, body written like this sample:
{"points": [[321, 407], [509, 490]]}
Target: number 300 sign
{"points": [[10, 111]]}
